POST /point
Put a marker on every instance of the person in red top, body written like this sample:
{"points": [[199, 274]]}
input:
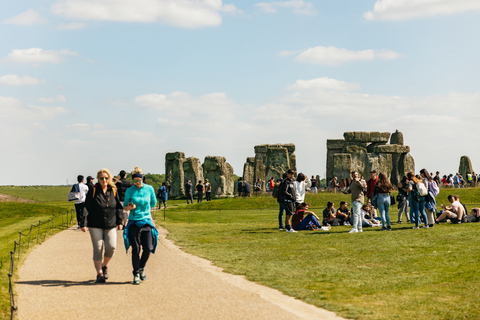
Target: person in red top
{"points": [[371, 183], [300, 221]]}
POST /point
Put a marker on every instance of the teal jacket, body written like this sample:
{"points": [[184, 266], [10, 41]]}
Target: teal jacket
{"points": [[144, 198], [140, 224]]}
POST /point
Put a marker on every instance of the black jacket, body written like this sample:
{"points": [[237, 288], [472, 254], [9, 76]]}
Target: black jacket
{"points": [[103, 211], [122, 186], [287, 191]]}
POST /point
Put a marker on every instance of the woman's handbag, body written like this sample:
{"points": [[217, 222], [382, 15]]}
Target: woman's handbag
{"points": [[392, 200]]}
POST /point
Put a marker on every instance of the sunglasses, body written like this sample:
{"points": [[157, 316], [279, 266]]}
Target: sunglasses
{"points": [[103, 178], [139, 180]]}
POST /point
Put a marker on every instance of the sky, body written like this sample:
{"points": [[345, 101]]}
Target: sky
{"points": [[91, 84]]}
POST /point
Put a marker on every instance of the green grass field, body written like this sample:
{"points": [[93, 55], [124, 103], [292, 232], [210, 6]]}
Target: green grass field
{"points": [[402, 274]]}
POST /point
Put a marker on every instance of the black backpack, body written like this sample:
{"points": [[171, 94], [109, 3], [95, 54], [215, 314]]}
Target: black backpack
{"points": [[276, 189]]}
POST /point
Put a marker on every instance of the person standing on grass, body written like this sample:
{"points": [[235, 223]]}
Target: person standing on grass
{"points": [[140, 230], [313, 188], [199, 188], [162, 195], [80, 203], [188, 191], [403, 200], [276, 194], [286, 198], [417, 202], [371, 183], [104, 213], [240, 187], [382, 189], [357, 189], [299, 186], [208, 190]]}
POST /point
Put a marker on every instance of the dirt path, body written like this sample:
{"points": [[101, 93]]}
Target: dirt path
{"points": [[57, 282]]}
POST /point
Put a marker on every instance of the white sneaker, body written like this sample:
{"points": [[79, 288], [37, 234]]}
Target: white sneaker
{"points": [[327, 228], [424, 227], [361, 230], [415, 228], [353, 231], [292, 231]]}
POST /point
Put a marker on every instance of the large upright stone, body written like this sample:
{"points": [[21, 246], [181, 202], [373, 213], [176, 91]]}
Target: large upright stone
{"points": [[397, 138], [465, 166], [342, 165], [380, 162], [277, 162], [192, 170], [220, 175], [174, 173], [249, 170]]}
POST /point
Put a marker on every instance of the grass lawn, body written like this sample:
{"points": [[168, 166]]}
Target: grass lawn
{"points": [[400, 274]]}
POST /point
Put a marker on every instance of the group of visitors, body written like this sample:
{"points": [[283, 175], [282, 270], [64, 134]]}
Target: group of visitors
{"points": [[457, 180], [107, 207], [200, 188]]}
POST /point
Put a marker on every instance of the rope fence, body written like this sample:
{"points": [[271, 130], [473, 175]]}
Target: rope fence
{"points": [[36, 233]]}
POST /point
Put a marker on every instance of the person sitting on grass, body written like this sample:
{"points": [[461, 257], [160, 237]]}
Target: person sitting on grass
{"points": [[454, 212], [343, 214], [329, 215], [474, 215], [367, 219], [306, 220]]}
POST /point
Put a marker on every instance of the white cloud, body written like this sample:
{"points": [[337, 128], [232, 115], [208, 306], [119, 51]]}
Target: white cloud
{"points": [[298, 6], [322, 84], [409, 9], [179, 13], [59, 98], [37, 56], [332, 56], [71, 26], [15, 80], [16, 111], [26, 18]]}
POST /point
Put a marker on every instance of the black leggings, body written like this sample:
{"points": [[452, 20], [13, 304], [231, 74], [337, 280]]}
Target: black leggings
{"points": [[140, 237]]}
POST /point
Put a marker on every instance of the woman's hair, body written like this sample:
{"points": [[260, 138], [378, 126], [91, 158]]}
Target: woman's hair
{"points": [[383, 182], [329, 204], [404, 179], [411, 176], [137, 170], [426, 174], [303, 205], [300, 177], [109, 175]]}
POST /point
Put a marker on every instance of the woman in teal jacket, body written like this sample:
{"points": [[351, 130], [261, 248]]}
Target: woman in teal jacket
{"points": [[140, 230]]}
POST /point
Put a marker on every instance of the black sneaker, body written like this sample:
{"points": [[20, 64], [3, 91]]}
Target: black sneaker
{"points": [[100, 278], [105, 272], [383, 229], [430, 225], [389, 228], [399, 221]]}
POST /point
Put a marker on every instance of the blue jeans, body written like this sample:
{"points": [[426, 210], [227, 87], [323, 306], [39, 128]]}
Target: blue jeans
{"points": [[356, 215], [383, 203], [418, 208], [309, 218], [280, 215]]}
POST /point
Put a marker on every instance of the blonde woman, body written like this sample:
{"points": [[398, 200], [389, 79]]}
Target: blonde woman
{"points": [[104, 213], [140, 230]]}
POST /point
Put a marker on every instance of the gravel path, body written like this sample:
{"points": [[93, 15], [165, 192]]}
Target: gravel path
{"points": [[57, 282]]}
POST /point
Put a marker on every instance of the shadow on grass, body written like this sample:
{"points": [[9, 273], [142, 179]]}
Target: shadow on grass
{"points": [[68, 283]]}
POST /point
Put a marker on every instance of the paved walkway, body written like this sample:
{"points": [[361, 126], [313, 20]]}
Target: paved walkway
{"points": [[57, 282]]}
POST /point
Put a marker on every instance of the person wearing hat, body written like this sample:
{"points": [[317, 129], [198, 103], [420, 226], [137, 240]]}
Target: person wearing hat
{"points": [[208, 190], [140, 230]]}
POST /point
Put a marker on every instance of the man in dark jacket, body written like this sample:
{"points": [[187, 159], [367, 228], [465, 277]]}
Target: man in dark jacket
{"points": [[286, 198], [188, 191], [122, 186]]}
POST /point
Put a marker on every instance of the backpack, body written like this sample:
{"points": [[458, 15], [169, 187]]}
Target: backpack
{"points": [[422, 190], [74, 194], [433, 186], [276, 189]]}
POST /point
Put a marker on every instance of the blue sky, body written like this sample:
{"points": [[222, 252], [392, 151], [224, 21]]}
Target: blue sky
{"points": [[87, 84]]}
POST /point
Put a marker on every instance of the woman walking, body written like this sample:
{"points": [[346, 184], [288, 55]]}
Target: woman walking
{"points": [[417, 202], [104, 213], [140, 230], [299, 186], [382, 189]]}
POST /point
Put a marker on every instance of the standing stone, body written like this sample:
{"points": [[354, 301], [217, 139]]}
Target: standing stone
{"points": [[192, 169], [342, 165], [397, 138], [277, 162], [465, 166], [174, 173], [249, 170], [220, 175], [380, 162]]}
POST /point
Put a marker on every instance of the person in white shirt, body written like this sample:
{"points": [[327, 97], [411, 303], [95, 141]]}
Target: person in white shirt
{"points": [[454, 212], [80, 203], [299, 186]]}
